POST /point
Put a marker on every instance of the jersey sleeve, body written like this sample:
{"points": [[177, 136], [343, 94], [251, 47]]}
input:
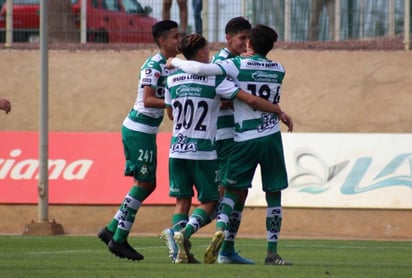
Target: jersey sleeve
{"points": [[229, 67], [150, 74], [226, 88], [168, 98]]}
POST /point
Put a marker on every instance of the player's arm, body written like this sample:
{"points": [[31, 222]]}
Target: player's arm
{"points": [[169, 111], [195, 67], [286, 120], [150, 100], [168, 103], [265, 106]]}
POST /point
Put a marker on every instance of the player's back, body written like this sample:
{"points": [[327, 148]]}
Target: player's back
{"points": [[195, 101], [260, 77]]}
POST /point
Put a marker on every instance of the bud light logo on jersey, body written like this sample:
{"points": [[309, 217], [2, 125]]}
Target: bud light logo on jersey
{"points": [[189, 77], [182, 145]]}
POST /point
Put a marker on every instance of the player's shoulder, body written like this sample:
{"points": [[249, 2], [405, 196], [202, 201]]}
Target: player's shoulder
{"points": [[278, 66], [221, 55], [173, 74], [257, 60], [154, 62]]}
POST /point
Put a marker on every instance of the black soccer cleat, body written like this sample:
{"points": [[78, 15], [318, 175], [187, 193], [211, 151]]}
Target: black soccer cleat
{"points": [[275, 259], [105, 235], [124, 250]]}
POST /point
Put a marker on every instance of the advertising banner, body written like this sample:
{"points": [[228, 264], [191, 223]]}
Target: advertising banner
{"points": [[84, 168], [345, 171], [324, 169]]}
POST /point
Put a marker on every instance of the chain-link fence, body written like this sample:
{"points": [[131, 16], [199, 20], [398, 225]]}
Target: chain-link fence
{"points": [[130, 21]]}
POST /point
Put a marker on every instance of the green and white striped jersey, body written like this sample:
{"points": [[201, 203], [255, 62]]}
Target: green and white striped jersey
{"points": [[195, 101], [225, 121], [153, 73], [261, 77]]}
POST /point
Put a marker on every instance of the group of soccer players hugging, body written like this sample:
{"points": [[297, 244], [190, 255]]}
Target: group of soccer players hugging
{"points": [[226, 121]]}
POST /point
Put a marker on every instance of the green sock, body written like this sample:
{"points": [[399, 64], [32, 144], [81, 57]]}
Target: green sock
{"points": [[228, 245], [139, 194], [273, 221], [127, 212], [196, 220], [179, 221], [226, 206]]}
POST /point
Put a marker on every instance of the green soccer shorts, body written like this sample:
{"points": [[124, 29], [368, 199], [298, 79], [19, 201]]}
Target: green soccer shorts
{"points": [[224, 150], [140, 151], [187, 174], [267, 152]]}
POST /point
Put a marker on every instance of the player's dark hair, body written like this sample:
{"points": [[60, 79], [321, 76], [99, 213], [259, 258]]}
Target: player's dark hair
{"points": [[236, 25], [190, 44], [262, 38], [162, 28]]}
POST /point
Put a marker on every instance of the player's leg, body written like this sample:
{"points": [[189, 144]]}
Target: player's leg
{"points": [[180, 184], [140, 152], [274, 179], [227, 254], [203, 176], [238, 161]]}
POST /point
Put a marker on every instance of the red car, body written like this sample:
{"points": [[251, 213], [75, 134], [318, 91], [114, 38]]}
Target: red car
{"points": [[107, 21]]}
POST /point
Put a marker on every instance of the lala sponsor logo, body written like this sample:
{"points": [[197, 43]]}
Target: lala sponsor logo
{"points": [[182, 145], [28, 169]]}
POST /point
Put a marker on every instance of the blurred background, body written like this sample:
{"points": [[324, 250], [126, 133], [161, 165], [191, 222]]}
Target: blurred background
{"points": [[130, 21]]}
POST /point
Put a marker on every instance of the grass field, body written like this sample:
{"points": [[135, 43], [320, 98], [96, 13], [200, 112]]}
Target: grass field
{"points": [[86, 256]]}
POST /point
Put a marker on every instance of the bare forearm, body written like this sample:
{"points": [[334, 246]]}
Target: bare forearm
{"points": [[153, 102], [195, 67], [259, 103]]}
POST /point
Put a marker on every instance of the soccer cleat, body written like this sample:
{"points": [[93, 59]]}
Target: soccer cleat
{"points": [[192, 260], [124, 250], [213, 249], [232, 258], [105, 235], [167, 237], [183, 248], [275, 259]]}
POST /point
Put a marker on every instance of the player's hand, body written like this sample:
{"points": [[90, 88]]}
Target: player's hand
{"points": [[5, 105], [169, 63], [286, 120], [248, 53]]}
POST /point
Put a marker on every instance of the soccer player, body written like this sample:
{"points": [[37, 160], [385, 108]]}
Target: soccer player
{"points": [[194, 105], [237, 32], [257, 138], [139, 131]]}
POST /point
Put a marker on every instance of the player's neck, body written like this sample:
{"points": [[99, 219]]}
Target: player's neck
{"points": [[168, 54]]}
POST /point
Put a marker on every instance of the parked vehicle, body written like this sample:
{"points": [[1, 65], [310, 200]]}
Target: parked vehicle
{"points": [[107, 21]]}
